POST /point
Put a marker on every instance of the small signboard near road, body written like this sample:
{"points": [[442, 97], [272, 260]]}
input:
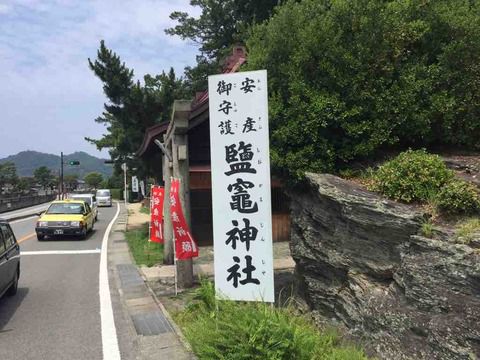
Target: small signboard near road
{"points": [[242, 217], [134, 184]]}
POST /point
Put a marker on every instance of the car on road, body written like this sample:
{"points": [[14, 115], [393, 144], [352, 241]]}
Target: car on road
{"points": [[9, 260], [90, 199], [66, 217], [104, 197]]}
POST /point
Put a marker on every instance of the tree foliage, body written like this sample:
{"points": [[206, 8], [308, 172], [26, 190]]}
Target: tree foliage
{"points": [[93, 179], [44, 176], [132, 106], [8, 174], [348, 78], [70, 181], [24, 184], [221, 23]]}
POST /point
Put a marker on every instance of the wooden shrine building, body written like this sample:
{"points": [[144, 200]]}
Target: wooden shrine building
{"points": [[190, 120]]}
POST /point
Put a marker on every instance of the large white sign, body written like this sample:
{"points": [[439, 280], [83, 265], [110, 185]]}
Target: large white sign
{"points": [[242, 215]]}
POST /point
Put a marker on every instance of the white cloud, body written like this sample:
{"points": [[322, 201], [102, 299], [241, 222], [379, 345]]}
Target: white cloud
{"points": [[46, 87]]}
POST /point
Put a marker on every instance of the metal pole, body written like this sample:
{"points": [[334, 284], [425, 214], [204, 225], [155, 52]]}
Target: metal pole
{"points": [[175, 266], [61, 175], [125, 183]]}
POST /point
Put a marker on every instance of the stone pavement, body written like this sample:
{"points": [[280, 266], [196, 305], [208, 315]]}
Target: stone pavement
{"points": [[157, 335]]}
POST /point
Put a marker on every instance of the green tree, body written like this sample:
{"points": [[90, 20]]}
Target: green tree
{"points": [[93, 179], [115, 182], [25, 183], [221, 23], [43, 176], [70, 181], [349, 78], [8, 174], [132, 107]]}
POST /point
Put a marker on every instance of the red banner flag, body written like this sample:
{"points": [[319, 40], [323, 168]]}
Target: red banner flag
{"points": [[185, 245], [157, 195]]}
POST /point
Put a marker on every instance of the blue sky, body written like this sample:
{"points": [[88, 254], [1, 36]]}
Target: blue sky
{"points": [[49, 97]]}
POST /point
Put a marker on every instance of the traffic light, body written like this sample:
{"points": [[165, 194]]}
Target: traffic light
{"points": [[73, 162]]}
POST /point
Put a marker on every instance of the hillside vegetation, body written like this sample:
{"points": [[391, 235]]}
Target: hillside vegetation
{"points": [[27, 161]]}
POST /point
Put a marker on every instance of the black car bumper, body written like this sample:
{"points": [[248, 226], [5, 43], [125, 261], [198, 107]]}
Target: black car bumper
{"points": [[52, 231]]}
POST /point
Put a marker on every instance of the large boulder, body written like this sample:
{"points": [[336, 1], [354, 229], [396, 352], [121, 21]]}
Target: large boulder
{"points": [[362, 262]]}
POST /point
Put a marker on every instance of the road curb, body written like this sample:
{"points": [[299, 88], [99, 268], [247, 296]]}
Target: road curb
{"points": [[15, 218], [176, 328]]}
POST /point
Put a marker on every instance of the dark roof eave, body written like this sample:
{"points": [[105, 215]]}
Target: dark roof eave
{"points": [[150, 134]]}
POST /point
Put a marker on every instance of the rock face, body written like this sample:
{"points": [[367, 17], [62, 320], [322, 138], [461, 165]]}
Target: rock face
{"points": [[362, 263]]}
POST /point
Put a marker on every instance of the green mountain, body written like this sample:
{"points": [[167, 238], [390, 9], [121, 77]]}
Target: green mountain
{"points": [[27, 161]]}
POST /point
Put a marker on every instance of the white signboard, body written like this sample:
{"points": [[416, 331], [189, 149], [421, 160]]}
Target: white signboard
{"points": [[142, 188], [134, 184], [242, 215]]}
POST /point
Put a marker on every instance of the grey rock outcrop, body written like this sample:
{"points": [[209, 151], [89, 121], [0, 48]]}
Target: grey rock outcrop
{"points": [[362, 263]]}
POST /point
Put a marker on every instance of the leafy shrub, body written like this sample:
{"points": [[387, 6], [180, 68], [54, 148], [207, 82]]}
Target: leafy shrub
{"points": [[411, 176], [458, 197], [348, 78], [233, 330]]}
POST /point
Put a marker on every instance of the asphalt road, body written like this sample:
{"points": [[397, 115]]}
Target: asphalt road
{"points": [[56, 312]]}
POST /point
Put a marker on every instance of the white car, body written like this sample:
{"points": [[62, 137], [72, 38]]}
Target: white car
{"points": [[104, 198], [90, 199]]}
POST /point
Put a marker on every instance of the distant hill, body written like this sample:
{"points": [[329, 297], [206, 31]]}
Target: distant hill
{"points": [[27, 161]]}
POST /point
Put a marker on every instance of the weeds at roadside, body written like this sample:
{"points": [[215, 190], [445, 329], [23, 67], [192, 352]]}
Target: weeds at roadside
{"points": [[238, 330], [144, 252]]}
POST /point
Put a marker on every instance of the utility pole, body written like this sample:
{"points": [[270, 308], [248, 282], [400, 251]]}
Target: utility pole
{"points": [[125, 193], [61, 175]]}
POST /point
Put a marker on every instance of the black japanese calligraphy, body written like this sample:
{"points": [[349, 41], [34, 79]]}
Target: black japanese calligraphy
{"points": [[248, 125], [226, 127], [234, 274], [225, 106], [245, 235], [241, 198], [247, 85], [239, 160], [224, 87]]}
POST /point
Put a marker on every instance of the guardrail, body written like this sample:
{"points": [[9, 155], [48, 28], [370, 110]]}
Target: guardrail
{"points": [[20, 202]]}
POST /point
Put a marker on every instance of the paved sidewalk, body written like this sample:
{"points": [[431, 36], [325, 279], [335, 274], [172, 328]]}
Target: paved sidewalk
{"points": [[156, 335]]}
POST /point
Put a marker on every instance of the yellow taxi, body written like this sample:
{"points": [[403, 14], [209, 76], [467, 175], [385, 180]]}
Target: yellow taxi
{"points": [[65, 217]]}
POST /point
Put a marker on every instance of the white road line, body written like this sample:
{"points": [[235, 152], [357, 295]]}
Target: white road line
{"points": [[60, 252], [109, 332]]}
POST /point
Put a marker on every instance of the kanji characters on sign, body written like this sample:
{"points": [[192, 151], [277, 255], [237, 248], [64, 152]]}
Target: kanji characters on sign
{"points": [[157, 195], [185, 245], [241, 186]]}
